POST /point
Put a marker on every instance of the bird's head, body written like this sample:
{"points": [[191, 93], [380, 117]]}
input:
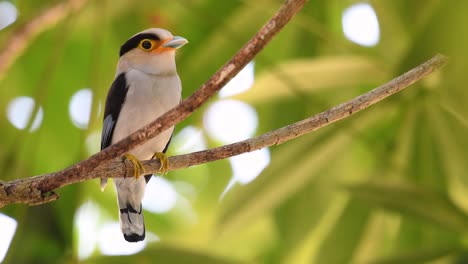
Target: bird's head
{"points": [[151, 51]]}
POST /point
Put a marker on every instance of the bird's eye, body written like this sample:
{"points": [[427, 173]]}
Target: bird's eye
{"points": [[146, 44]]}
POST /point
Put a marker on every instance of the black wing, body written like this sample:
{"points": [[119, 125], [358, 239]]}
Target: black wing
{"points": [[114, 102]]}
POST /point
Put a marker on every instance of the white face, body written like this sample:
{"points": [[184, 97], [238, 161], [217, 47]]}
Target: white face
{"points": [[148, 53]]}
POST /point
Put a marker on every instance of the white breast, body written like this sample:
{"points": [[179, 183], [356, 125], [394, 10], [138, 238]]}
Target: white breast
{"points": [[148, 97]]}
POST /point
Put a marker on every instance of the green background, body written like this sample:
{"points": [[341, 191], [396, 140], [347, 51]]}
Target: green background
{"points": [[387, 185]]}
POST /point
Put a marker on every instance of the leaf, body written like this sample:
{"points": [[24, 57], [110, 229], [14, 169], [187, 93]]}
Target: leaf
{"points": [[450, 136], [165, 254], [419, 256], [305, 76], [407, 198], [279, 181], [305, 218], [294, 165], [341, 242], [299, 215]]}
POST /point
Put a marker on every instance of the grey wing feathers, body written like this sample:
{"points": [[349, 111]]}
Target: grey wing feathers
{"points": [[107, 131]]}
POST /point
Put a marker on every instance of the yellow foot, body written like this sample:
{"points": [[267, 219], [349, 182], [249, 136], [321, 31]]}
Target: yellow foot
{"points": [[164, 162], [138, 168]]}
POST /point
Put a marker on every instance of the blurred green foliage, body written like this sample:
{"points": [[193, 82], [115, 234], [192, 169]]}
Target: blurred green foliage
{"points": [[387, 185]]}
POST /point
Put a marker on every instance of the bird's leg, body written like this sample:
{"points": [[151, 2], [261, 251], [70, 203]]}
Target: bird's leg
{"points": [[138, 168], [164, 162]]}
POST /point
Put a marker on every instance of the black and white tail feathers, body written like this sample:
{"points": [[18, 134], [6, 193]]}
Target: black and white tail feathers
{"points": [[132, 223], [130, 194]]}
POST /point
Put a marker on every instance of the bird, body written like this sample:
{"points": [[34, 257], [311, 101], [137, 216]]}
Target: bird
{"points": [[146, 85]]}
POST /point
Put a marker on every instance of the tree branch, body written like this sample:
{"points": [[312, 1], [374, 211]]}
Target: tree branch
{"points": [[107, 163], [27, 191], [40, 189]]}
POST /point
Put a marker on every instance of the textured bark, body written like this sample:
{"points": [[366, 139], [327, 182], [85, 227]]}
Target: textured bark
{"points": [[39, 189], [81, 170], [108, 163]]}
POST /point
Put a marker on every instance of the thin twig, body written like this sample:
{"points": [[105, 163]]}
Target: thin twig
{"points": [[37, 190], [27, 191], [24, 35], [179, 113]]}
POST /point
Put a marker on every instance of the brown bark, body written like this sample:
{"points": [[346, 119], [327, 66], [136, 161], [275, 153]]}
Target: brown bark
{"points": [[37, 190], [107, 163]]}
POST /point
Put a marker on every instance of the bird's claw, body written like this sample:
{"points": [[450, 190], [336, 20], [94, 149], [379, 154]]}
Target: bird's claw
{"points": [[163, 160], [138, 168]]}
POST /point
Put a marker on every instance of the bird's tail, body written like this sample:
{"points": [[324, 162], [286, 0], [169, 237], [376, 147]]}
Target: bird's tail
{"points": [[132, 223], [131, 215]]}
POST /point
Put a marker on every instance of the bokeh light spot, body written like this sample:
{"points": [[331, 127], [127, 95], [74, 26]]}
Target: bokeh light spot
{"points": [[8, 14], [247, 166], [240, 83], [7, 230], [189, 139], [230, 120], [19, 112], [360, 24], [86, 223], [111, 241], [160, 196], [80, 108]]}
